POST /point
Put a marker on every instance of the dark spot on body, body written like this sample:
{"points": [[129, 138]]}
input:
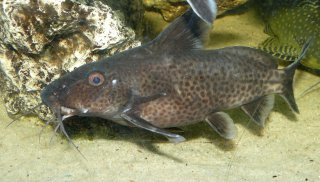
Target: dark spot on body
{"points": [[202, 93], [187, 83]]}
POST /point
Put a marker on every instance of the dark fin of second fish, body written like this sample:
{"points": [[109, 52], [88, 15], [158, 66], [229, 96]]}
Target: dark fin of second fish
{"points": [[205, 9], [313, 71], [185, 33], [222, 124], [259, 109], [287, 92]]}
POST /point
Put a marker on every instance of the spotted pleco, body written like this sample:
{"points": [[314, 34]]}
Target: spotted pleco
{"points": [[289, 24], [171, 82]]}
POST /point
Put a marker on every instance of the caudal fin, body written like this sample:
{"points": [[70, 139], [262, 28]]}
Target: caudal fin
{"points": [[287, 92]]}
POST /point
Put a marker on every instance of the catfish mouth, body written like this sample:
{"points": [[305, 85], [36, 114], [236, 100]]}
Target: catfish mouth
{"points": [[67, 112]]}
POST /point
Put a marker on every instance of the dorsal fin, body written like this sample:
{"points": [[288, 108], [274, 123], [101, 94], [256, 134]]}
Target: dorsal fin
{"points": [[184, 33], [205, 9]]}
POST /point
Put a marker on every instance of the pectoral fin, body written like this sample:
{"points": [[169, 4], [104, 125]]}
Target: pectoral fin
{"points": [[141, 123], [222, 124], [129, 114], [259, 109]]}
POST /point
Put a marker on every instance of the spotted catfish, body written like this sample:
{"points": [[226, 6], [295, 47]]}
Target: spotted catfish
{"points": [[171, 81]]}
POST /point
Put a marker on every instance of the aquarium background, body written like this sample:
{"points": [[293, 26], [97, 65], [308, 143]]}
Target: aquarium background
{"points": [[287, 149]]}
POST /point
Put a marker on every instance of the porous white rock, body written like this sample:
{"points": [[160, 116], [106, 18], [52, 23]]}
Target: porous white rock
{"points": [[42, 39]]}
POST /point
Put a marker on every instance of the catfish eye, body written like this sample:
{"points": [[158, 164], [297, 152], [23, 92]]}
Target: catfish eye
{"points": [[96, 79]]}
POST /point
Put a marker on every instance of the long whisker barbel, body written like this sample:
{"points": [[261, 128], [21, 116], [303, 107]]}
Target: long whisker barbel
{"points": [[43, 127], [61, 127], [309, 90], [31, 111]]}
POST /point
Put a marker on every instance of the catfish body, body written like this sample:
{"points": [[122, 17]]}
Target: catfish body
{"points": [[172, 82], [200, 82]]}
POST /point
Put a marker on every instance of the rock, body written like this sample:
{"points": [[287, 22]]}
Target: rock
{"points": [[228, 4], [42, 39], [132, 10], [170, 9]]}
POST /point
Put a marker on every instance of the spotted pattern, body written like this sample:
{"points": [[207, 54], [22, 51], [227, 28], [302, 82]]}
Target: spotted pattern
{"points": [[205, 82], [185, 88], [290, 24]]}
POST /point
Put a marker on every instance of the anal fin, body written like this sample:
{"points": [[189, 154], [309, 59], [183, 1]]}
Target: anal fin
{"points": [[259, 109], [222, 124]]}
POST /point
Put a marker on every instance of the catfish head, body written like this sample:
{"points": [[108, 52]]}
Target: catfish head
{"points": [[90, 90]]}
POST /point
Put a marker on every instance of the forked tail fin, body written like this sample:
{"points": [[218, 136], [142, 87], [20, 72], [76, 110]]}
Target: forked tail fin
{"points": [[287, 92]]}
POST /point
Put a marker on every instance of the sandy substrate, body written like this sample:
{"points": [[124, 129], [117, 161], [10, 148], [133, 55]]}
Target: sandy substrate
{"points": [[287, 149]]}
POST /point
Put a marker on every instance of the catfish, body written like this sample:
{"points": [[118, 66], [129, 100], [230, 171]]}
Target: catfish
{"points": [[172, 81]]}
